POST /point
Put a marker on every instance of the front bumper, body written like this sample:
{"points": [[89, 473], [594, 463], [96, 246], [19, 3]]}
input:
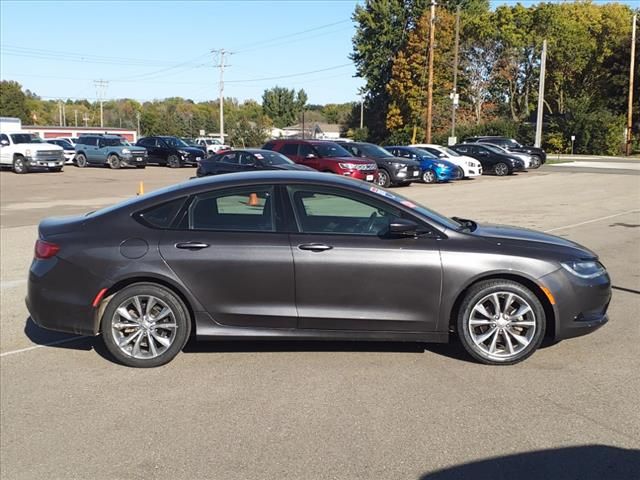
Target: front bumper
{"points": [[134, 160], [365, 175], [472, 171], [406, 174], [447, 173], [581, 304], [34, 163], [192, 159]]}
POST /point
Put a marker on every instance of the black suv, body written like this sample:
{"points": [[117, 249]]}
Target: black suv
{"points": [[491, 158], [391, 170], [538, 155], [170, 151], [111, 150]]}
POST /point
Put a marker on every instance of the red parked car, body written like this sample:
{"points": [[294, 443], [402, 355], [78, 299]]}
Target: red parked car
{"points": [[325, 156]]}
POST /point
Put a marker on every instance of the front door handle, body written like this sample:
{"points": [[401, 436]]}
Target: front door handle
{"points": [[315, 247], [192, 245]]}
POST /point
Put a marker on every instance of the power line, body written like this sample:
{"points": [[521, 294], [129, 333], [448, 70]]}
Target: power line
{"points": [[291, 75]]}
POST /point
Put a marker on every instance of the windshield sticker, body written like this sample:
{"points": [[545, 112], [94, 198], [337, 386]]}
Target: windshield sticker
{"points": [[258, 156], [409, 204], [384, 193]]}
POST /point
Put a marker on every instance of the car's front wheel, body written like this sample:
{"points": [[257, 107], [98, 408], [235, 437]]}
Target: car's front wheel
{"points": [[429, 176], [114, 162], [535, 162], [500, 322], [81, 160], [384, 179], [501, 169], [173, 161], [145, 325], [20, 165]]}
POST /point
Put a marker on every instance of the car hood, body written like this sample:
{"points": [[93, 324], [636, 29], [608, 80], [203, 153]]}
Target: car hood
{"points": [[191, 150], [289, 166], [136, 148], [404, 161], [533, 237], [41, 147], [349, 159], [462, 160]]}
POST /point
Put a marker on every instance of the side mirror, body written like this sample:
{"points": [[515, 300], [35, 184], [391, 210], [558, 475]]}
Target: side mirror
{"points": [[400, 227], [4, 143]]}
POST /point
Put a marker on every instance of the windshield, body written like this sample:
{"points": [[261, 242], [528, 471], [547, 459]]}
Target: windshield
{"points": [[372, 151], [25, 138], [174, 142], [513, 143], [421, 209], [451, 153], [212, 141], [331, 150], [272, 158]]}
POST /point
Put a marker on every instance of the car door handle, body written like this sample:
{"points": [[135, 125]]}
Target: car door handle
{"points": [[315, 247], [191, 245]]}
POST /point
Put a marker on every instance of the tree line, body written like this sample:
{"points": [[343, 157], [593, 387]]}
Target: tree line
{"points": [[587, 70], [247, 123]]}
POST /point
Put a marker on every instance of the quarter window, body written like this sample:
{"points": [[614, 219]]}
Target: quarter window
{"points": [[320, 210], [240, 209], [289, 149]]}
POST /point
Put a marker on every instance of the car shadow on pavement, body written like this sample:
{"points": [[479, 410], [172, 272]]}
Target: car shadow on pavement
{"points": [[588, 462], [49, 338]]}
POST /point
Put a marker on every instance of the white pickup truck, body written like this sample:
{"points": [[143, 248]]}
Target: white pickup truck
{"points": [[212, 145], [25, 152]]}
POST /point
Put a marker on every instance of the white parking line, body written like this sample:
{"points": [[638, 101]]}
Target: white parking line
{"points": [[592, 220], [12, 283], [35, 347]]}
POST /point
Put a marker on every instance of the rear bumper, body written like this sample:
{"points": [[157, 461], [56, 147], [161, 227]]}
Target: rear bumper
{"points": [[60, 296], [581, 304]]}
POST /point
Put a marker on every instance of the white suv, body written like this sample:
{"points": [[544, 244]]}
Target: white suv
{"points": [[212, 145], [470, 166]]}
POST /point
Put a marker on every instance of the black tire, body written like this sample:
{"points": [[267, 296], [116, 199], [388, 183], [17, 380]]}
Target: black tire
{"points": [[20, 165], [429, 176], [520, 296], [536, 162], [384, 179], [141, 166], [81, 160], [173, 161], [114, 162], [460, 173], [501, 169], [180, 333]]}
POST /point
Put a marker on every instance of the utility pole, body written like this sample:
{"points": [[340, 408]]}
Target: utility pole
{"points": [[429, 119], [543, 66], [630, 106], [64, 115], [101, 89], [138, 122], [60, 112], [75, 114], [361, 112], [454, 94], [85, 118], [221, 52]]}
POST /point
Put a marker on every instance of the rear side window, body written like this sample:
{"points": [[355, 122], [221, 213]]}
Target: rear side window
{"points": [[289, 149], [268, 146], [161, 216], [249, 209]]}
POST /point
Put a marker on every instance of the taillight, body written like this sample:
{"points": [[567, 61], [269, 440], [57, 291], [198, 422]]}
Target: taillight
{"points": [[45, 250]]}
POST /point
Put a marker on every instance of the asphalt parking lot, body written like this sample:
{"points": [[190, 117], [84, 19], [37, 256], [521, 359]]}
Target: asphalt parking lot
{"points": [[329, 410]]}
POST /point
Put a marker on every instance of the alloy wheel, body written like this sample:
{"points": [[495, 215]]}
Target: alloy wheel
{"points": [[429, 176], [501, 169], [502, 325], [19, 166], [143, 326], [383, 179]]}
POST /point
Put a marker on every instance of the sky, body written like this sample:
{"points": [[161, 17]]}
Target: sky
{"points": [[156, 49]]}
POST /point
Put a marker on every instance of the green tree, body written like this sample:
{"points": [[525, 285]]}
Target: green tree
{"points": [[282, 105], [13, 101]]}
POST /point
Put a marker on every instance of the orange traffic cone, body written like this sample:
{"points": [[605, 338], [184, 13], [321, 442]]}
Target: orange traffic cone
{"points": [[140, 189], [253, 200]]}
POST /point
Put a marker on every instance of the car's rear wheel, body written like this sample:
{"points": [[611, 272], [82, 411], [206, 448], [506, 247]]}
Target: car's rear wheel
{"points": [[81, 160], [173, 161], [501, 169], [429, 176], [114, 162], [20, 165], [145, 325], [500, 322], [384, 179]]}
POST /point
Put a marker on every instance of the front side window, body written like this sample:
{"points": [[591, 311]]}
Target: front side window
{"points": [[289, 149], [324, 210], [247, 159], [240, 209], [331, 150], [306, 150]]}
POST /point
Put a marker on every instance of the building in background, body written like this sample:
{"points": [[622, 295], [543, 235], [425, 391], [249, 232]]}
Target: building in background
{"points": [[312, 130], [55, 132]]}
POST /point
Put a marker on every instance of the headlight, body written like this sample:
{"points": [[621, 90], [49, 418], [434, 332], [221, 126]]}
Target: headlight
{"points": [[182, 152], [470, 164], [126, 151], [27, 152], [347, 166], [441, 165], [584, 268]]}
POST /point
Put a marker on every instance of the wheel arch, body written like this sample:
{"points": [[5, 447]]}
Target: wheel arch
{"points": [[531, 284], [162, 281]]}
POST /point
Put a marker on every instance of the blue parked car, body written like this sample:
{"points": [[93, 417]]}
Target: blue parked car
{"points": [[433, 169]]}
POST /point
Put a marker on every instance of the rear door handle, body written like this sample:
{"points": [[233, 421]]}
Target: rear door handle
{"points": [[191, 245], [315, 247]]}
